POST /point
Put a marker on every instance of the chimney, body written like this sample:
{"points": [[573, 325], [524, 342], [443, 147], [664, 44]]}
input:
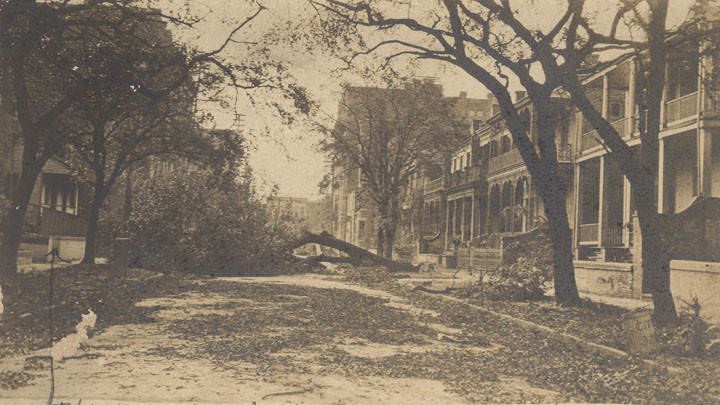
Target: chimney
{"points": [[463, 94], [519, 95]]}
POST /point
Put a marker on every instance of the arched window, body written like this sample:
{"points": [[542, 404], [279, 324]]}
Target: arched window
{"points": [[505, 144], [495, 209], [493, 148]]}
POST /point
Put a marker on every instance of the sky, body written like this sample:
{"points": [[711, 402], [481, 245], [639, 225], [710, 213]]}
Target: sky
{"points": [[287, 156]]}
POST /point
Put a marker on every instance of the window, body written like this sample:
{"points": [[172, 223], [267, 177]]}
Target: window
{"points": [[505, 144], [617, 110], [467, 159], [493, 148], [683, 75], [361, 229]]}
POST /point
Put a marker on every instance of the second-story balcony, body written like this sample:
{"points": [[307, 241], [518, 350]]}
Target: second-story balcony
{"points": [[467, 176], [504, 161], [435, 185], [681, 108], [564, 152], [591, 139], [513, 158]]}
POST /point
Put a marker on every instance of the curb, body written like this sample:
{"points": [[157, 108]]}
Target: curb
{"points": [[562, 336]]}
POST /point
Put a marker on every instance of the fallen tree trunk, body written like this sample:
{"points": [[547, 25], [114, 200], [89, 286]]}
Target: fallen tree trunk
{"points": [[357, 255], [329, 259]]}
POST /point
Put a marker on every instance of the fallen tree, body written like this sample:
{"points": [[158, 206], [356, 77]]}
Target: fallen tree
{"points": [[356, 255]]}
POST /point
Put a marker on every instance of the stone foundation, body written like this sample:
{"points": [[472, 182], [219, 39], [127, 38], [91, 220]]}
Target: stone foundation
{"points": [[690, 279], [69, 247], [605, 278]]}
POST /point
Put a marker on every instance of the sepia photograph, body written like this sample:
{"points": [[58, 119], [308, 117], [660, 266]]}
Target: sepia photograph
{"points": [[340, 202]]}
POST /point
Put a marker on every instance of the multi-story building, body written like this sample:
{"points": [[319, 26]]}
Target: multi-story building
{"points": [[606, 231], [488, 188], [309, 215], [489, 191], [354, 213]]}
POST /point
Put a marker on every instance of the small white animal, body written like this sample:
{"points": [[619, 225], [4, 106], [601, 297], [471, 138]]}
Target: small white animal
{"points": [[70, 344]]}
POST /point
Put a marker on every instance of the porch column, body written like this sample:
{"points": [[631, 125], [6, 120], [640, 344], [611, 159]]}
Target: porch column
{"points": [[601, 205], [77, 197], [525, 213], [630, 106], [42, 193], [489, 226], [511, 225], [447, 222], [462, 218], [702, 76], [663, 107], [578, 133], [472, 216], [605, 95], [704, 136], [661, 176], [704, 164], [626, 211], [576, 206]]}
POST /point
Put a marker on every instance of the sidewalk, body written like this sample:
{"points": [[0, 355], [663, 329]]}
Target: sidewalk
{"points": [[627, 303]]}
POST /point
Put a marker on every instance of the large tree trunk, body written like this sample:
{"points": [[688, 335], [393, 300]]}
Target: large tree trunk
{"points": [[14, 219], [12, 226], [380, 241], [656, 259], [553, 193], [656, 264], [92, 225], [566, 291], [382, 231], [389, 241]]}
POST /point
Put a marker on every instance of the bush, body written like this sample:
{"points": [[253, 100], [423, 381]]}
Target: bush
{"points": [[526, 269], [522, 280], [692, 335], [190, 222]]}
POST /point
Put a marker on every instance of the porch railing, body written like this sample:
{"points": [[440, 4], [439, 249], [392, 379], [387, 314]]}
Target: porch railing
{"points": [[58, 223], [505, 160], [589, 140], [466, 176], [682, 107], [588, 233], [613, 236], [564, 152], [621, 126], [434, 185]]}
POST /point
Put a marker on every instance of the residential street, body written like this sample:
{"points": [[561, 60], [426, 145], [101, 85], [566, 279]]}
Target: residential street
{"points": [[320, 339], [301, 339]]}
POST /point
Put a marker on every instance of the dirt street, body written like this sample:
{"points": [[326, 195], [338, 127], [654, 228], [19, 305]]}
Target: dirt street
{"points": [[306, 339]]}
